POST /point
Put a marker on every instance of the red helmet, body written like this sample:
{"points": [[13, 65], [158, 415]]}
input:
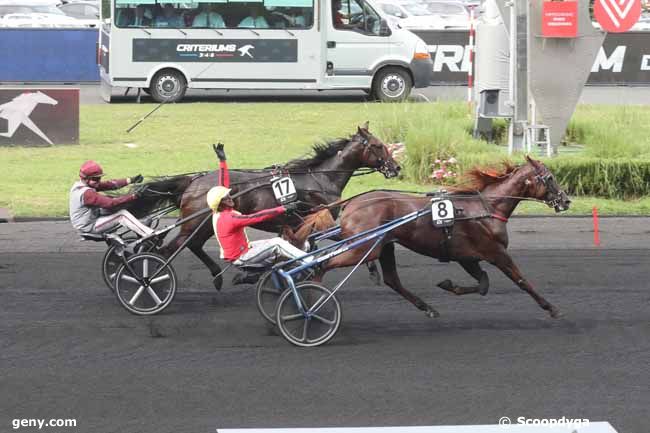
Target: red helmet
{"points": [[90, 169]]}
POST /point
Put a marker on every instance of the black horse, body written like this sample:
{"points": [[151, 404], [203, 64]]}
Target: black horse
{"points": [[319, 179]]}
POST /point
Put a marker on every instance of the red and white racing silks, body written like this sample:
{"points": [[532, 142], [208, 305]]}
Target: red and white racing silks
{"points": [[229, 225]]}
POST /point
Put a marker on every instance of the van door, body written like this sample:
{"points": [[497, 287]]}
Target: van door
{"points": [[354, 45]]}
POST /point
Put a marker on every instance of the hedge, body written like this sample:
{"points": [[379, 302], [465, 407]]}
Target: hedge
{"points": [[608, 178]]}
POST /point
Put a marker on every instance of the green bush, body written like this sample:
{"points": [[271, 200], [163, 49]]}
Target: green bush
{"points": [[608, 178]]}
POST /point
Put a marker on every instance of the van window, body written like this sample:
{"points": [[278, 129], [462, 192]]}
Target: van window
{"points": [[216, 14], [355, 15]]}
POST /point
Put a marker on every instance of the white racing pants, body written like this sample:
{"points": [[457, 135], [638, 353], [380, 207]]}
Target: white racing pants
{"points": [[268, 249], [122, 218]]}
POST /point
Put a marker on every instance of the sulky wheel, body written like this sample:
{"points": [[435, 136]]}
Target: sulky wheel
{"points": [[112, 262], [267, 294], [315, 327], [150, 296]]}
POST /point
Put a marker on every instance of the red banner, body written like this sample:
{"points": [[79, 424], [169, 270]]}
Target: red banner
{"points": [[560, 19]]}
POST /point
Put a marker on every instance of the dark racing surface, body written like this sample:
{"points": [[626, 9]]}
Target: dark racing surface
{"points": [[68, 350]]}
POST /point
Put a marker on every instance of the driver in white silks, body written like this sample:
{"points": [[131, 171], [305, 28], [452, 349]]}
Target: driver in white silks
{"points": [[93, 213], [230, 225]]}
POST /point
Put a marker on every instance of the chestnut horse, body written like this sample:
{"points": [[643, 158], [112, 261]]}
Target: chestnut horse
{"points": [[483, 206]]}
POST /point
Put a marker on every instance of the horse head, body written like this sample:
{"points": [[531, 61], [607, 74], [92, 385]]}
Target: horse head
{"points": [[41, 98], [542, 185], [372, 152]]}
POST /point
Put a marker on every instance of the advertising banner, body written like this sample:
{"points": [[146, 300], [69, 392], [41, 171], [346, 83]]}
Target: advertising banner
{"points": [[39, 117], [560, 19], [215, 50], [624, 58]]}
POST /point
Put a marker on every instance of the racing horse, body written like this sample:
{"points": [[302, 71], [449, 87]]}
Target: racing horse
{"points": [[483, 205], [319, 179]]}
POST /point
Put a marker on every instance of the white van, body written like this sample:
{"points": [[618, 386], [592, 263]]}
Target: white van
{"points": [[166, 48]]}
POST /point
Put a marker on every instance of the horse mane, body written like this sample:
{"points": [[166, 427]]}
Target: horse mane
{"points": [[321, 153], [479, 178]]}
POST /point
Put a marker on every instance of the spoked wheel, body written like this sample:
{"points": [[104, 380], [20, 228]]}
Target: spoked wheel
{"points": [[154, 295], [320, 321], [112, 262], [267, 295]]}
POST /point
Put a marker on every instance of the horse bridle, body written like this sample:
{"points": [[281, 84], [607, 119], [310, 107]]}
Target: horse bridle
{"points": [[546, 179], [370, 148]]}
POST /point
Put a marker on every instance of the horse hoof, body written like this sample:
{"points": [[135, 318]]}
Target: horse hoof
{"points": [[446, 285], [432, 314], [217, 282], [375, 278], [483, 291], [554, 312]]}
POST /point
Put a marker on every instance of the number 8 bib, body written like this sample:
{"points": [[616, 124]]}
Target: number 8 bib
{"points": [[442, 213]]}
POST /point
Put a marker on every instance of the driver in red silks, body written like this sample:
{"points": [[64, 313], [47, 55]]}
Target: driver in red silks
{"points": [[229, 225]]}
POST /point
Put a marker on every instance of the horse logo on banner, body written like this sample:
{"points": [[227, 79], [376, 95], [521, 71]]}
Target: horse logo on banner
{"points": [[17, 112], [617, 16]]}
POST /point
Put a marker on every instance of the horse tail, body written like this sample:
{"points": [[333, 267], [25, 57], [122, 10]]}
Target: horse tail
{"points": [[159, 193]]}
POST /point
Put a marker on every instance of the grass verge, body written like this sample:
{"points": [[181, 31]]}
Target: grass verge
{"points": [[177, 138]]}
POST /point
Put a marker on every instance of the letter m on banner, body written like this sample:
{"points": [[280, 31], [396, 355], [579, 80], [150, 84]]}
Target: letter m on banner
{"points": [[617, 16]]}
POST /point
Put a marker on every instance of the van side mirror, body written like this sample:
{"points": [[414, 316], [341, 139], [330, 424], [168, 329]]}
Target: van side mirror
{"points": [[384, 30]]}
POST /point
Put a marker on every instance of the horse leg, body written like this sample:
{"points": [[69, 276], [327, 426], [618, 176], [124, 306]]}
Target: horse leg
{"points": [[504, 262], [474, 269], [373, 273], [196, 247], [391, 278]]}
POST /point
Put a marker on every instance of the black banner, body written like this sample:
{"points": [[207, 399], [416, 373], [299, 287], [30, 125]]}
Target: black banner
{"points": [[39, 117], [216, 50], [624, 58]]}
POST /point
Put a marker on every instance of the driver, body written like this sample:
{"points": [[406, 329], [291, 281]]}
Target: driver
{"points": [[337, 15], [86, 204], [229, 225]]}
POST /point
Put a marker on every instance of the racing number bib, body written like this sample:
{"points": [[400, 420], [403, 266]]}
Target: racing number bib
{"points": [[442, 213], [284, 189]]}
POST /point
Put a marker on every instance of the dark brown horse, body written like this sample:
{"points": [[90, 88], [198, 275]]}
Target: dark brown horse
{"points": [[319, 179], [483, 206]]}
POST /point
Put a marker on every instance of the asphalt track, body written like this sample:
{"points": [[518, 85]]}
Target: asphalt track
{"points": [[67, 350]]}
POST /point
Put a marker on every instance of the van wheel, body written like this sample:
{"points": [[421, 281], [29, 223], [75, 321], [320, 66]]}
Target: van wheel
{"points": [[168, 85], [146, 90], [392, 85]]}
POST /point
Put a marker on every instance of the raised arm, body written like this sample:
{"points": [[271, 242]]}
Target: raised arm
{"points": [[224, 175]]}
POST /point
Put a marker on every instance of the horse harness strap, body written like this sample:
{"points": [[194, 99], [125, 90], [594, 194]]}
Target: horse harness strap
{"points": [[447, 230]]}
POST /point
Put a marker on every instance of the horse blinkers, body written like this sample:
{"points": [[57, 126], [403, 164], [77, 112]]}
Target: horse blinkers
{"points": [[555, 197], [385, 167]]}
